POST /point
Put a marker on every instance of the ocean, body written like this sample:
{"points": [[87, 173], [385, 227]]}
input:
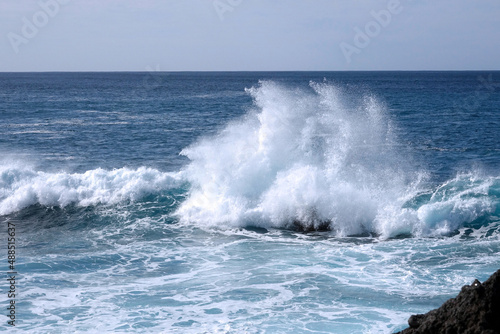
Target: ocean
{"points": [[244, 202]]}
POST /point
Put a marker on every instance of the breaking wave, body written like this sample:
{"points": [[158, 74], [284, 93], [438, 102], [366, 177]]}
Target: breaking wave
{"points": [[303, 159], [322, 159], [21, 187]]}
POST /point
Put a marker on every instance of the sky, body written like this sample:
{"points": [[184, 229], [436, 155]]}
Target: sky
{"points": [[249, 35]]}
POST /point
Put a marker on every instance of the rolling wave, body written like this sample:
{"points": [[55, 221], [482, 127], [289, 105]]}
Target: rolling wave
{"points": [[21, 187]]}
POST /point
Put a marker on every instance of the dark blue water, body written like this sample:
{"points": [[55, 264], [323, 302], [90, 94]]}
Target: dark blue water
{"points": [[166, 202]]}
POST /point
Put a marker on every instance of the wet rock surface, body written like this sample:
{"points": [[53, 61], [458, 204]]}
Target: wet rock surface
{"points": [[476, 309]]}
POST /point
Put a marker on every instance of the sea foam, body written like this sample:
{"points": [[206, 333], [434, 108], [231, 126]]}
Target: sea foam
{"points": [[315, 159], [22, 186]]}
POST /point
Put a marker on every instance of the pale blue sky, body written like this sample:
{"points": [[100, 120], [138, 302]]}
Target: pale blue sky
{"points": [[192, 35]]}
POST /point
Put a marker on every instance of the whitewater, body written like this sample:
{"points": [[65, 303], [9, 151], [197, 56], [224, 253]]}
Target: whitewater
{"points": [[311, 210]]}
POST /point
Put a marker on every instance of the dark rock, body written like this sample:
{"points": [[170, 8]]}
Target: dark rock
{"points": [[415, 320], [476, 310], [314, 226]]}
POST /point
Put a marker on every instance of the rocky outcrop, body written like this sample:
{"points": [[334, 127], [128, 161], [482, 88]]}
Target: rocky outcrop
{"points": [[476, 310]]}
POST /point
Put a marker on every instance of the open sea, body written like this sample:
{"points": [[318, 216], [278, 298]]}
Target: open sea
{"points": [[245, 202]]}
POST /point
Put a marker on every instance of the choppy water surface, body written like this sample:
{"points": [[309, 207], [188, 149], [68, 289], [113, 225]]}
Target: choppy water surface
{"points": [[247, 202]]}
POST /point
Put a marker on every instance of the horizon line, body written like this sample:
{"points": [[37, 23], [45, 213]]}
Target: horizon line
{"points": [[244, 71]]}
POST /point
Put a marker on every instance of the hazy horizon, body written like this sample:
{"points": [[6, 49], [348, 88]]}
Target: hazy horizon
{"points": [[250, 71]]}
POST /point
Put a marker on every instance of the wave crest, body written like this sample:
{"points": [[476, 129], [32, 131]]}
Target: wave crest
{"points": [[21, 187]]}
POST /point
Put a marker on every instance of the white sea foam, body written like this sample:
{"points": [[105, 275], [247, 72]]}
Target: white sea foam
{"points": [[316, 157], [22, 186]]}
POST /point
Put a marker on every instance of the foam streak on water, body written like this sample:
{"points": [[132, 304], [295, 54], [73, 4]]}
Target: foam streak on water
{"points": [[233, 281]]}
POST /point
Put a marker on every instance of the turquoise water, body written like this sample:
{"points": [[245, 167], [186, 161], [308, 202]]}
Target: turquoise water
{"points": [[301, 202]]}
